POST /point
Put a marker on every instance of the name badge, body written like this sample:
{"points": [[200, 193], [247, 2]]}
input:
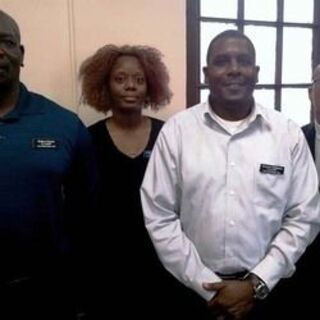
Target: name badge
{"points": [[41, 143], [271, 169], [147, 154]]}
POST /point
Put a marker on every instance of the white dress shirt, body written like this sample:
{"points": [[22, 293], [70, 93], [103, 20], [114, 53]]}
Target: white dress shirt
{"points": [[209, 209]]}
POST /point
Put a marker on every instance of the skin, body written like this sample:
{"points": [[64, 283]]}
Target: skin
{"points": [[128, 89], [127, 85], [231, 75], [11, 59], [234, 299], [314, 93]]}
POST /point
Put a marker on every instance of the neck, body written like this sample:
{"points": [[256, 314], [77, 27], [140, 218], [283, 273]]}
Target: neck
{"points": [[127, 120], [8, 98], [232, 111]]}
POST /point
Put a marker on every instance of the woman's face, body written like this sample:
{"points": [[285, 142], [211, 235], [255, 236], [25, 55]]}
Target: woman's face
{"points": [[127, 84]]}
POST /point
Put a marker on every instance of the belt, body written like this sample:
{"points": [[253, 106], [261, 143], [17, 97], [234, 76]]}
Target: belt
{"points": [[232, 276]]}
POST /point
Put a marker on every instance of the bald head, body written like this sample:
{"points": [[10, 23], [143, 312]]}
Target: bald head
{"points": [[9, 24], [11, 56]]}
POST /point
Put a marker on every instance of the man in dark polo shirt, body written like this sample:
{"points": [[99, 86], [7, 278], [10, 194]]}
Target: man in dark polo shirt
{"points": [[46, 186]]}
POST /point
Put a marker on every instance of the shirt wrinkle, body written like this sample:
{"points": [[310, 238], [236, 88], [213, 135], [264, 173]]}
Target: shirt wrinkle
{"points": [[231, 212]]}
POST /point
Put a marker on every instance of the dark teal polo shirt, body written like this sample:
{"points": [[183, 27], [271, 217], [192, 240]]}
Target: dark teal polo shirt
{"points": [[46, 181]]}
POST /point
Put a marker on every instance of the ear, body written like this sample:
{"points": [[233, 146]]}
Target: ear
{"points": [[310, 93], [22, 55], [257, 73], [205, 72]]}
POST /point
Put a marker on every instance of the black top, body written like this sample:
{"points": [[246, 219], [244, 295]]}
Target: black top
{"points": [[119, 197], [126, 260], [121, 176]]}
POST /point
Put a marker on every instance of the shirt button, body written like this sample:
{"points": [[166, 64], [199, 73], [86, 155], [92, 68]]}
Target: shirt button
{"points": [[231, 193], [232, 164], [231, 223]]}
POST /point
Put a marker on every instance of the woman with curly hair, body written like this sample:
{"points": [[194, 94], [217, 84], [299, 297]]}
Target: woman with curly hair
{"points": [[125, 80]]}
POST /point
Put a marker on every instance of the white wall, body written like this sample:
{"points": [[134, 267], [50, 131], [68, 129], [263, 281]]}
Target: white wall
{"points": [[59, 34]]}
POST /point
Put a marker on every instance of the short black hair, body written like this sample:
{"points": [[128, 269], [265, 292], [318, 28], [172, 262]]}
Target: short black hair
{"points": [[229, 34]]}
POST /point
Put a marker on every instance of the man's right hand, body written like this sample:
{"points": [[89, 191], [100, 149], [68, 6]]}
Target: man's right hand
{"points": [[234, 299]]}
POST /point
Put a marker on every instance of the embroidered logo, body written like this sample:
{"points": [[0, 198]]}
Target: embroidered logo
{"points": [[43, 143]]}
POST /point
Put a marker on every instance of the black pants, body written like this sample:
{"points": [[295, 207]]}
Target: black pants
{"points": [[37, 298]]}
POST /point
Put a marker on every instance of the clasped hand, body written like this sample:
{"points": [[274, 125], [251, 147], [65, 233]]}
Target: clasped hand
{"points": [[233, 300]]}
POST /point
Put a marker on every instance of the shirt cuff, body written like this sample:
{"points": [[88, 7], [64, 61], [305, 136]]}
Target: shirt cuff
{"points": [[205, 276], [271, 269]]}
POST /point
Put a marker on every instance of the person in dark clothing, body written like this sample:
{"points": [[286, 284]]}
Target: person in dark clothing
{"points": [[47, 180], [125, 80]]}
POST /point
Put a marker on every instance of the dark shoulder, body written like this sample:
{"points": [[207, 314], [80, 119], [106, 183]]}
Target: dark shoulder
{"points": [[49, 106], [52, 114], [308, 129], [156, 124], [36, 103], [97, 127]]}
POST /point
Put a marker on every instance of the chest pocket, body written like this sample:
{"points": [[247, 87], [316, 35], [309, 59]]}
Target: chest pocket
{"points": [[271, 181]]}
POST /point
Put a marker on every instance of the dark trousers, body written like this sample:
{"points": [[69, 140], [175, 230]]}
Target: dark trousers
{"points": [[37, 298], [279, 305]]}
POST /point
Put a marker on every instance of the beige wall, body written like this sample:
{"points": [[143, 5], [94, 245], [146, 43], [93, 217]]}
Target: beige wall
{"points": [[59, 34]]}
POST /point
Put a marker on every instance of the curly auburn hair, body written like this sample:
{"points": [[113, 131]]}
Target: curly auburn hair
{"points": [[95, 73]]}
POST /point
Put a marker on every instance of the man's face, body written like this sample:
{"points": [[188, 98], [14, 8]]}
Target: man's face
{"points": [[231, 72], [11, 54]]}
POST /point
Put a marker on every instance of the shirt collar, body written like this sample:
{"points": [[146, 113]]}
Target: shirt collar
{"points": [[24, 106], [257, 113]]}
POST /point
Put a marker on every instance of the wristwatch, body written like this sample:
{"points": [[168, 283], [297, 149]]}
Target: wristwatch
{"points": [[260, 289]]}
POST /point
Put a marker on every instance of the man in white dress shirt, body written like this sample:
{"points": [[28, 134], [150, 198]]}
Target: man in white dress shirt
{"points": [[230, 195]]}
